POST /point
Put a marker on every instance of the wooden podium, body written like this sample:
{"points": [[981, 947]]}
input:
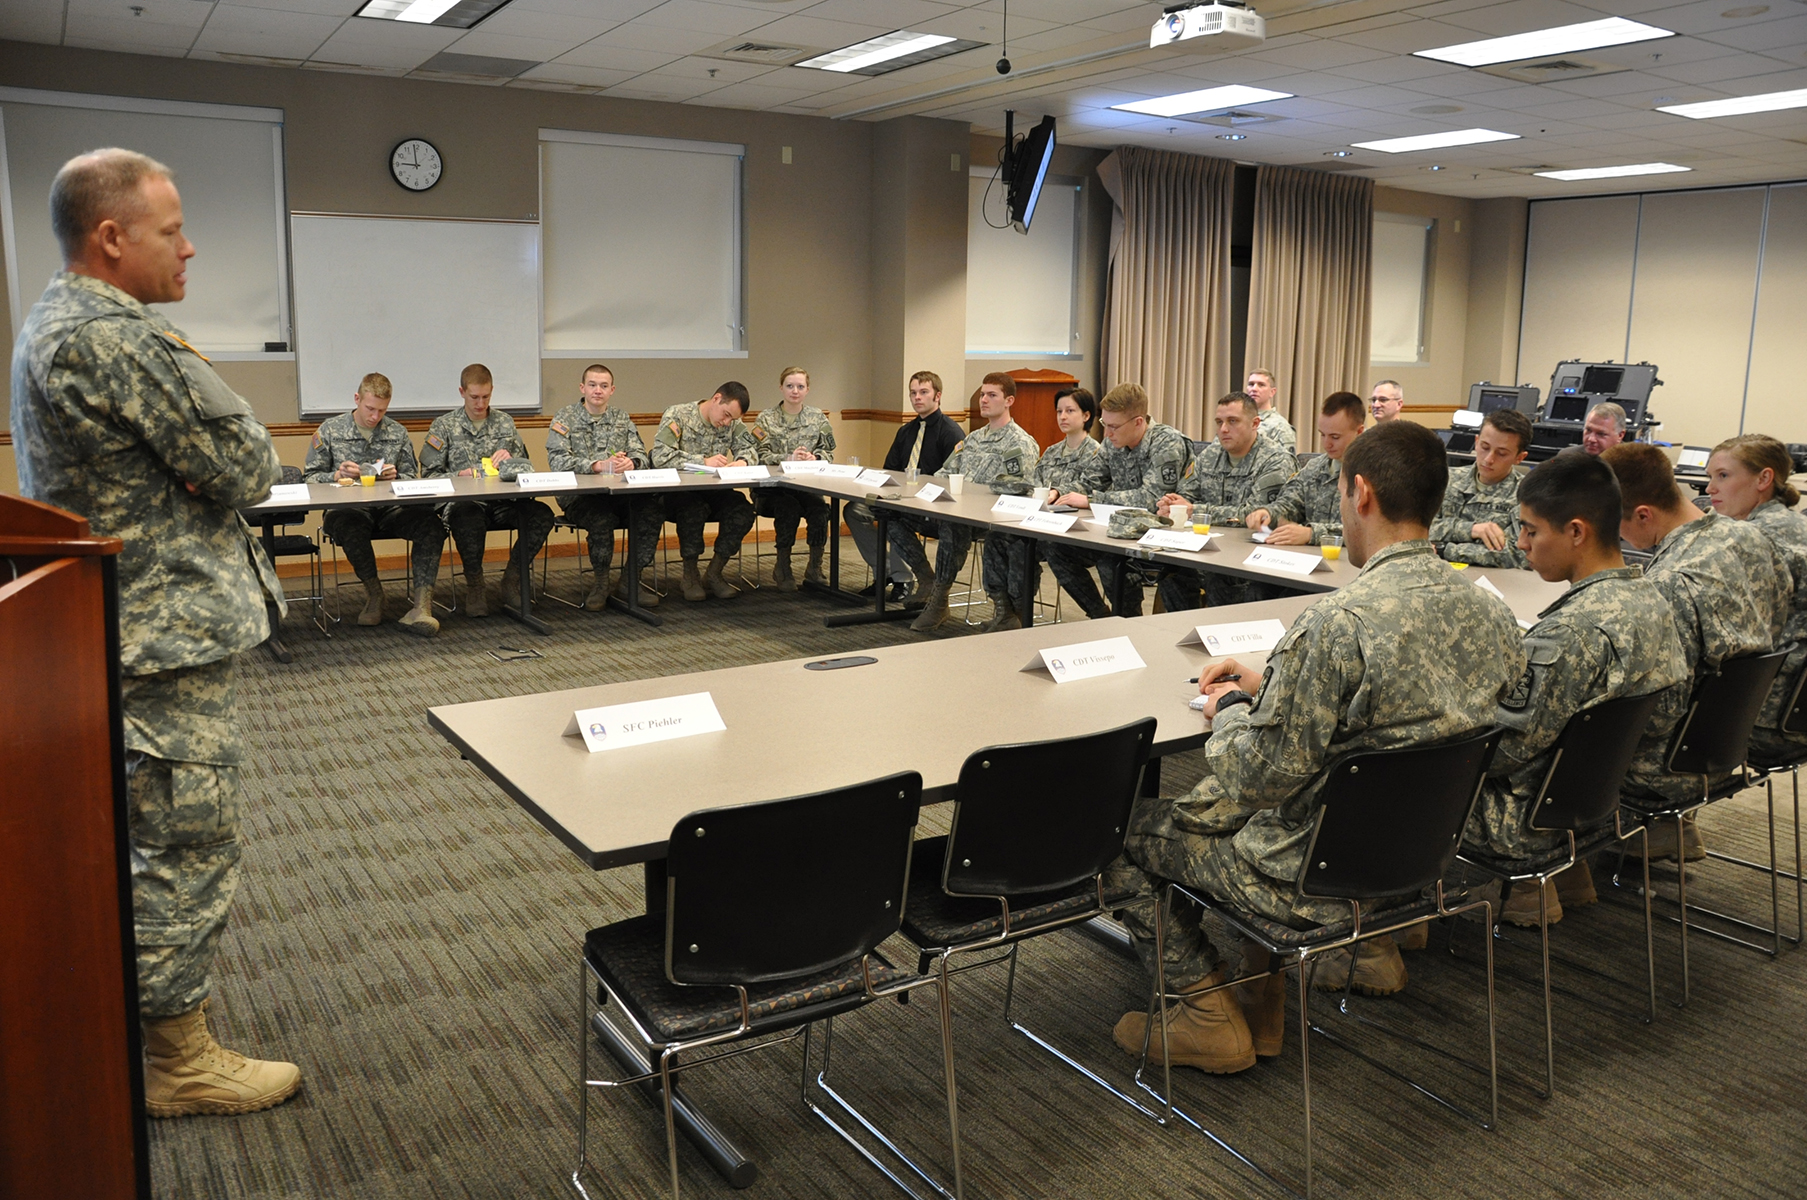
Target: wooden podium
{"points": [[1034, 407], [72, 1106]]}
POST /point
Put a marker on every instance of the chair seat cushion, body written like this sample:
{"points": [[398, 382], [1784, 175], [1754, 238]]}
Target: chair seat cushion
{"points": [[1658, 806], [1285, 937], [933, 919], [1783, 762], [1586, 842], [630, 957], [284, 545], [288, 516]]}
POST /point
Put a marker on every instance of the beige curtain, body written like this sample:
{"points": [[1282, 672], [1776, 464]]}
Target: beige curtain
{"points": [[1167, 307], [1308, 287]]}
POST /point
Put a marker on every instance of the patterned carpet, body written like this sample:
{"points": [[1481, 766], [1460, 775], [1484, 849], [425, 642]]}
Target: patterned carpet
{"points": [[409, 936]]}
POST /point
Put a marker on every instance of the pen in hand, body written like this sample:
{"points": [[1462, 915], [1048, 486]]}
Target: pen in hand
{"points": [[1220, 679]]}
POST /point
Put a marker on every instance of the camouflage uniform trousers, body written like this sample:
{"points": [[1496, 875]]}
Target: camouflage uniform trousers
{"points": [[1158, 850], [1179, 588], [862, 527], [786, 508], [470, 520], [600, 516], [731, 511], [1005, 575], [1070, 568], [353, 529], [183, 824], [953, 542]]}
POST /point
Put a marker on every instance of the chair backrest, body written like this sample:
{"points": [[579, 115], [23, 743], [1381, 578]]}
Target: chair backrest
{"points": [[1390, 821], [786, 888], [288, 516], [1715, 733], [1038, 816], [1589, 761]]}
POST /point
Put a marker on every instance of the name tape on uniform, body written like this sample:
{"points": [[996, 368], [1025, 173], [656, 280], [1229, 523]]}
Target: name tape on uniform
{"points": [[875, 478], [1086, 660], [667, 476], [1016, 506], [743, 474], [616, 726], [422, 487], [840, 470], [810, 466], [288, 493], [1050, 522], [1287, 562], [1173, 539], [932, 491], [547, 479], [1237, 637]]}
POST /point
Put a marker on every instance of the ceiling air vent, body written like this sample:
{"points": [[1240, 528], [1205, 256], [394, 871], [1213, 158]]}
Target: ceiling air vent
{"points": [[1236, 118], [1556, 66], [770, 54]]}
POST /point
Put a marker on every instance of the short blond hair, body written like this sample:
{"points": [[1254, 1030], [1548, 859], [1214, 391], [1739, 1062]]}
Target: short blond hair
{"points": [[101, 185], [377, 384], [595, 367], [1127, 398], [789, 371], [476, 375]]}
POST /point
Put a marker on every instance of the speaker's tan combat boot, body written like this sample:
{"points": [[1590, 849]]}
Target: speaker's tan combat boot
{"points": [[420, 620], [188, 1073], [1379, 971], [1207, 1032]]}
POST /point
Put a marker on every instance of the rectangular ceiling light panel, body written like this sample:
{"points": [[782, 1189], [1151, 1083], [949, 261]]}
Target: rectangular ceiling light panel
{"points": [[1205, 100], [1540, 43], [1737, 106], [891, 52], [1436, 141], [447, 14], [1613, 172]]}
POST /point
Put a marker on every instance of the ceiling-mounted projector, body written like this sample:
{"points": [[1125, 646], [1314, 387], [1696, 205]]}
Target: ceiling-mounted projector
{"points": [[1229, 26]]}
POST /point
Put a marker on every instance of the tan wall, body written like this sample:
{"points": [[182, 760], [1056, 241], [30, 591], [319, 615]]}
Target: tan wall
{"points": [[1438, 380], [1496, 284]]}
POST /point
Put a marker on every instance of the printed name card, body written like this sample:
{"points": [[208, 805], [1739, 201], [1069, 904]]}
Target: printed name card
{"points": [[1287, 562], [743, 474], [288, 493], [666, 476], [547, 479], [422, 487], [1016, 506], [1102, 512], [1050, 522], [839, 470], [1085, 660], [1237, 637], [931, 491], [1486, 585], [618, 725], [1174, 539], [812, 466], [875, 478]]}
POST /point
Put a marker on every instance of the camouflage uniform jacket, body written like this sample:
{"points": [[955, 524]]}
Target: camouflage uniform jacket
{"points": [[684, 436], [1311, 498], [1787, 533], [1067, 468], [1227, 489], [1003, 457], [1277, 429], [1467, 503], [1139, 476], [456, 443], [1729, 596], [1409, 653], [113, 414], [778, 434], [578, 438], [341, 439], [1608, 637]]}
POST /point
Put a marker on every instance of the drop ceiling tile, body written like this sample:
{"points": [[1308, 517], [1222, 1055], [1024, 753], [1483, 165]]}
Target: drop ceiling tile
{"points": [[724, 20], [384, 45], [1139, 19], [714, 71], [1406, 39], [1398, 68], [1617, 84], [662, 39], [344, 9], [1053, 39], [501, 45], [112, 36], [1320, 54], [611, 11], [749, 96], [1742, 68], [1463, 84], [572, 73], [647, 87], [984, 23], [235, 30], [1518, 16], [1708, 16], [115, 20], [892, 14], [32, 21], [514, 21], [1768, 37], [615, 58], [1634, 119], [808, 30], [1568, 109]]}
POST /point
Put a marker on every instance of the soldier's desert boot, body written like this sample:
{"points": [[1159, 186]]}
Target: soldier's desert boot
{"points": [[1521, 905], [1003, 616], [188, 1073], [1207, 1032], [511, 584], [925, 587], [1379, 971], [1575, 887], [420, 620], [1662, 841], [718, 587], [373, 603], [598, 599], [1263, 1003], [476, 604], [934, 610], [813, 572], [648, 597], [1417, 937], [693, 582], [782, 578]]}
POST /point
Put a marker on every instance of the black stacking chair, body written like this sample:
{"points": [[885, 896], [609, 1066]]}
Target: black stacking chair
{"points": [[1580, 797], [1711, 741], [772, 920], [279, 543], [1034, 828], [1794, 720], [1388, 826]]}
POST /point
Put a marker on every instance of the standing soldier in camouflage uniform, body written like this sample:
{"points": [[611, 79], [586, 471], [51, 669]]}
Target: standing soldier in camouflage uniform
{"points": [[1748, 481], [1001, 455], [342, 447], [709, 432], [590, 438], [1409, 654], [457, 443], [1143, 461], [117, 419], [1238, 472], [1608, 637], [1479, 521], [1729, 596], [796, 432], [1306, 510], [1274, 425]]}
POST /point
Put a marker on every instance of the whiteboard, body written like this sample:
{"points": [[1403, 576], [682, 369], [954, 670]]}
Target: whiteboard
{"points": [[416, 300], [1020, 288]]}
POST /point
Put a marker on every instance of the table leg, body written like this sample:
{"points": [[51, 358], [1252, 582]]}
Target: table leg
{"points": [[274, 643], [522, 610], [1026, 609], [833, 590], [880, 585], [631, 576]]}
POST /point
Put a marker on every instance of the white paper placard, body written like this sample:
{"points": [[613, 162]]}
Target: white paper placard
{"points": [[1237, 637], [1050, 522], [1287, 562], [839, 470], [422, 487], [1173, 539], [930, 491], [1487, 585], [700, 468], [1102, 512], [665, 475], [615, 726], [808, 466], [1016, 506], [288, 493], [743, 474], [1085, 660], [875, 478], [547, 479]]}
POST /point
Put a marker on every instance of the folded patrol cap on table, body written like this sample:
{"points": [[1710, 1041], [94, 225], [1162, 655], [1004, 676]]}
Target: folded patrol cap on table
{"points": [[1131, 523]]}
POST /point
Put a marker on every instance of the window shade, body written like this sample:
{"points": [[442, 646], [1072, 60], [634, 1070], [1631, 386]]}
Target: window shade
{"points": [[1019, 288], [1401, 246]]}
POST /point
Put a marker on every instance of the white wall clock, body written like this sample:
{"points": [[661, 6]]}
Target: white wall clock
{"points": [[416, 164]]}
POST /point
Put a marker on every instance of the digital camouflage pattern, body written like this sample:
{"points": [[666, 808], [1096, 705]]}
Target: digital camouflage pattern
{"points": [[1129, 524], [1729, 596], [1278, 430], [456, 443], [685, 436], [780, 435], [1409, 653], [1228, 489], [1067, 469], [1787, 534], [1140, 475], [341, 439], [1001, 457], [1608, 637], [578, 438], [114, 415], [1312, 498], [1468, 502]]}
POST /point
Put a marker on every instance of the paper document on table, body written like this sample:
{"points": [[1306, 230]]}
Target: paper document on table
{"points": [[547, 479], [743, 474], [616, 726], [1085, 660], [288, 493], [1237, 637], [1486, 585], [663, 475], [421, 487]]}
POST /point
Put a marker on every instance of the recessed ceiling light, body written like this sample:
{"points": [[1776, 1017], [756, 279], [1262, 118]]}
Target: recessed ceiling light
{"points": [[1735, 106], [1203, 100], [1436, 141], [1563, 39], [447, 14], [874, 51], [1614, 172], [1232, 137], [1340, 154]]}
